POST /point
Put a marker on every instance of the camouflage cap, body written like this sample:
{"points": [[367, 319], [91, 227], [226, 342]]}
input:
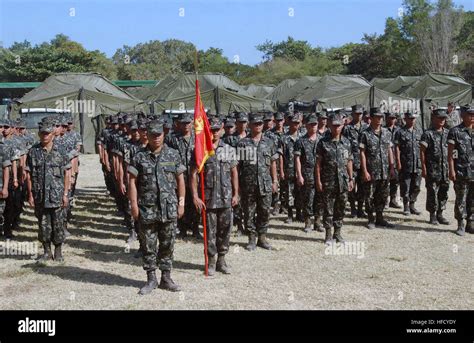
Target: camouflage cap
{"points": [[70, 119], [229, 122], [155, 127], [336, 118], [410, 115], [376, 112], [46, 126], [242, 117], [323, 115], [357, 108], [141, 122], [63, 120], [279, 116], [296, 118], [255, 118], [114, 119], [440, 113], [133, 125], [185, 118], [468, 108], [268, 116], [215, 123], [391, 115], [311, 119], [168, 124], [20, 123]]}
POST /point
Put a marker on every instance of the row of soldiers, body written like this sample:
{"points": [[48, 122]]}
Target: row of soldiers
{"points": [[310, 164], [44, 174]]}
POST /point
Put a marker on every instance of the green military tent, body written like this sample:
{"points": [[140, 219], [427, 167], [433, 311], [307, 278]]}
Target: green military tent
{"points": [[259, 91], [219, 94], [89, 96], [288, 90], [432, 89]]}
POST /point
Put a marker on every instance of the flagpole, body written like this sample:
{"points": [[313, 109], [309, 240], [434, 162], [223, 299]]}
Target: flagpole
{"points": [[203, 197]]}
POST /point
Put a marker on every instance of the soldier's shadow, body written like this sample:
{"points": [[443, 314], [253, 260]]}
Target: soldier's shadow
{"points": [[402, 227], [85, 275]]}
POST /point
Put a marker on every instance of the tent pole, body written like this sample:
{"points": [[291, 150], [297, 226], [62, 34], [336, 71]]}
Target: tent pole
{"points": [[81, 116]]}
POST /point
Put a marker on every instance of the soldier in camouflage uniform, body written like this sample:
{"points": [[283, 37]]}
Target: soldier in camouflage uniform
{"points": [[233, 140], [156, 192], [48, 174], [5, 155], [102, 142], [305, 161], [334, 177], [76, 142], [376, 161], [434, 167], [352, 132], [461, 169], [288, 176], [183, 142], [453, 119], [391, 125], [229, 127], [407, 142], [221, 189], [258, 180]]}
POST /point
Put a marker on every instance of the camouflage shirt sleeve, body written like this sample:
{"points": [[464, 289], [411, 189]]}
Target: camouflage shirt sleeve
{"points": [[425, 139]]}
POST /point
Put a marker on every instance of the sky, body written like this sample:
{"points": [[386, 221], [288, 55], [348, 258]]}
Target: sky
{"points": [[235, 26]]}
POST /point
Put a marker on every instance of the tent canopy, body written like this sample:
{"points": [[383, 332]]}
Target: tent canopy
{"points": [[259, 91]]}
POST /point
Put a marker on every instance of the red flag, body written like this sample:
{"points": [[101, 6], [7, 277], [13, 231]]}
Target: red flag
{"points": [[203, 148]]}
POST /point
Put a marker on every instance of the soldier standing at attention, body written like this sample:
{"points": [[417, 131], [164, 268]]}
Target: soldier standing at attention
{"points": [[334, 176], [352, 132], [305, 161], [229, 127], [288, 176], [461, 169], [5, 155], [258, 181], [48, 171], [393, 128], [221, 191], [156, 193], [434, 167], [407, 142], [376, 161], [453, 119]]}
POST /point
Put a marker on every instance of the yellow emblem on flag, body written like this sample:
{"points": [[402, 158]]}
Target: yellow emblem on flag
{"points": [[198, 125]]}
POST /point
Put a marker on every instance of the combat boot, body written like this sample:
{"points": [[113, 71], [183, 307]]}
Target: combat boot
{"points": [[167, 283], [151, 283], [380, 221], [58, 253], [252, 245], [263, 243], [441, 219], [470, 226], [289, 219], [66, 233], [211, 266], [46, 255], [413, 210], [371, 224], [317, 224], [353, 209], [461, 228], [221, 265], [132, 237], [299, 216], [196, 234], [406, 208], [433, 219], [328, 238], [337, 235], [394, 203], [308, 225], [276, 209], [360, 210]]}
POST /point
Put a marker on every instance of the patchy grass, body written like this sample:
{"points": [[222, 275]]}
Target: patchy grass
{"points": [[414, 266]]}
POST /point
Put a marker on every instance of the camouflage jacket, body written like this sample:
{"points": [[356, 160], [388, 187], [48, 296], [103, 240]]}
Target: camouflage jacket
{"points": [[255, 168], [288, 150], [453, 119], [156, 184], [393, 131], [185, 148], [376, 147], [436, 154], [463, 155], [276, 137], [217, 177], [47, 171], [306, 149], [334, 156], [5, 155], [233, 140], [352, 133], [408, 141]]}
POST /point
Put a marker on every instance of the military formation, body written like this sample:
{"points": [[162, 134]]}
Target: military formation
{"points": [[306, 167]]}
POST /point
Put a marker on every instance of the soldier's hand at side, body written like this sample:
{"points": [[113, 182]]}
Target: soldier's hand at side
{"points": [[319, 186], [351, 185], [392, 173], [135, 213], [367, 177], [199, 203], [65, 201], [108, 168], [4, 193], [399, 166], [423, 173], [123, 189], [274, 187], [31, 201], [180, 211], [300, 181], [235, 200], [452, 176], [282, 175]]}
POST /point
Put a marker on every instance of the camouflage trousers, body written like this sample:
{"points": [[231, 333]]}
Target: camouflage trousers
{"points": [[394, 183], [376, 193], [109, 181], [256, 210], [334, 203], [357, 193], [162, 234], [51, 224], [409, 186], [191, 218], [436, 195], [219, 225], [2, 220], [311, 201], [13, 209], [464, 203], [287, 193]]}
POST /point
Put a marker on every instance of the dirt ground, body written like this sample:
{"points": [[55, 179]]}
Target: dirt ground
{"points": [[414, 266]]}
